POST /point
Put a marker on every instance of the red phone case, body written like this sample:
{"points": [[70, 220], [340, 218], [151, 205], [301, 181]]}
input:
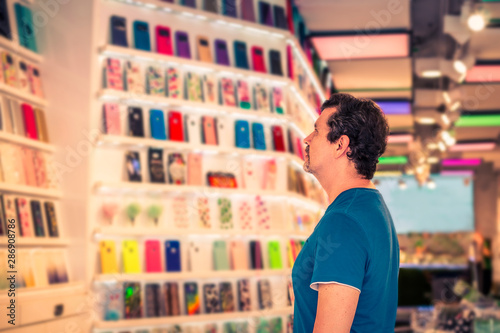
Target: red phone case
{"points": [[289, 57], [163, 43], [29, 121], [259, 64], [175, 127], [153, 256], [279, 142]]}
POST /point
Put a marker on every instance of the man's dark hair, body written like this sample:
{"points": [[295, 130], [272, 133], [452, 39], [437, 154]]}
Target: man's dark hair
{"points": [[366, 126]]}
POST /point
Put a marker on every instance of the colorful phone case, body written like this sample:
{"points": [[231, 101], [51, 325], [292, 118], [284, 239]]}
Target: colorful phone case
{"points": [[29, 121], [180, 210], [245, 216], [188, 3], [23, 78], [194, 169], [182, 45], [274, 255], [225, 213], [275, 62], [192, 298], [261, 99], [278, 102], [42, 175], [247, 10], [204, 213], [211, 6], [209, 134], [155, 81], [193, 87], [258, 62], [41, 125], [36, 213], [172, 301], [226, 297], [27, 155], [229, 8], [175, 85], [111, 117], [24, 217], [244, 296], [25, 28], [221, 260], [259, 139], [135, 122], [113, 302], [164, 40], [9, 69], [133, 165], [141, 36], [240, 54], [173, 256], [176, 169], [210, 89], [134, 80], [152, 300], [263, 217], [10, 210], [265, 297], [109, 263], [228, 96], [265, 14], [203, 47], [130, 255], [50, 216], [256, 255], [156, 170], [193, 129], [211, 297], [243, 94], [242, 133], [278, 139], [239, 256], [118, 31], [221, 53], [35, 81], [132, 300], [175, 126], [157, 123], [114, 74]]}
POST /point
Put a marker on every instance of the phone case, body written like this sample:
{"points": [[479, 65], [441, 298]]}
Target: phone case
{"points": [[111, 119], [278, 140], [278, 102], [141, 36], [133, 78], [229, 8], [242, 133], [245, 216], [109, 263], [192, 298], [12, 167], [210, 89], [243, 94], [240, 54], [113, 74], [290, 62], [228, 97], [221, 53], [225, 131], [135, 122], [239, 256], [244, 296], [211, 6], [25, 28], [274, 255], [164, 40], [36, 213], [172, 301], [36, 81], [182, 45], [176, 169], [180, 210], [113, 302], [175, 127], [194, 169], [200, 256], [221, 260], [24, 217], [265, 14], [132, 300], [261, 99], [193, 87], [42, 175], [193, 129], [256, 255], [275, 62], [173, 255], [23, 78], [188, 3], [19, 127], [258, 61], [259, 139], [226, 297], [40, 269], [5, 30], [155, 81], [203, 48], [175, 85], [265, 297], [27, 156], [133, 165], [156, 170], [263, 218], [157, 123], [41, 125], [152, 300], [279, 17], [211, 296], [9, 69], [50, 216], [118, 31], [204, 213], [209, 135], [29, 121], [225, 213], [10, 210], [247, 10], [3, 220], [269, 179], [130, 254]]}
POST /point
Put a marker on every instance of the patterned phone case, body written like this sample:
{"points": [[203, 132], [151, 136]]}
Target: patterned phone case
{"points": [[24, 216], [172, 302], [210, 328], [226, 297], [113, 302], [23, 79], [226, 213], [245, 216], [111, 117], [243, 95], [29, 170], [278, 102], [263, 219], [43, 177], [9, 202], [133, 78], [193, 87], [9, 69], [192, 298], [132, 300], [152, 298], [265, 298], [244, 296], [228, 96], [180, 211], [114, 76], [12, 167], [210, 89], [175, 86], [269, 179], [176, 169], [204, 213], [155, 81], [211, 295], [36, 212], [35, 81], [261, 98]]}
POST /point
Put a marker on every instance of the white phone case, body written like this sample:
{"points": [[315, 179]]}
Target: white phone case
{"points": [[200, 256], [40, 270], [210, 89], [225, 132], [22, 76], [6, 115], [250, 179], [193, 128]]}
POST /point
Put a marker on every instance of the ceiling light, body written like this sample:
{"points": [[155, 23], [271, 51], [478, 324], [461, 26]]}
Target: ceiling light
{"points": [[426, 120], [431, 185], [473, 146], [476, 22], [433, 160], [445, 119], [446, 97], [432, 146], [455, 106], [430, 74], [441, 146], [460, 66]]}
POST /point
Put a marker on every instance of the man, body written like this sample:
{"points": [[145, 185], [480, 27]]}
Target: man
{"points": [[345, 279]]}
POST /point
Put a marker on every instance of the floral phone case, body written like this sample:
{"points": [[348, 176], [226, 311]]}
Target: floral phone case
{"points": [[211, 296], [261, 98], [278, 102], [113, 301], [175, 85], [193, 87], [227, 297], [227, 91], [176, 169], [114, 75], [225, 213], [133, 78], [180, 212], [204, 213], [41, 173], [245, 216], [24, 216], [263, 218], [243, 95], [210, 89], [155, 81], [244, 296], [264, 291], [9, 69]]}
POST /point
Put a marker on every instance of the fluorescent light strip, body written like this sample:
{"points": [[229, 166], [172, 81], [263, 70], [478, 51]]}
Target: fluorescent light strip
{"points": [[402, 138], [478, 121], [388, 174], [483, 73], [461, 162], [457, 173], [395, 107], [392, 160], [473, 146]]}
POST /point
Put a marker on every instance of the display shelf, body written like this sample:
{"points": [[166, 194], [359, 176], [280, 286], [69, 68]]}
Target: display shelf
{"points": [[127, 323], [102, 232], [30, 190], [433, 266], [311, 110], [34, 292], [123, 277], [36, 241], [200, 190], [25, 97], [18, 50], [23, 141]]}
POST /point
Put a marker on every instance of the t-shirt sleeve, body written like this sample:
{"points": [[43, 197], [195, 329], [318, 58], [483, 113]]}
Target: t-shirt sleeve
{"points": [[341, 253]]}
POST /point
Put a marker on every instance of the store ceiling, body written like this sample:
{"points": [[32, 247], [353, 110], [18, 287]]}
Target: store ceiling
{"points": [[434, 44]]}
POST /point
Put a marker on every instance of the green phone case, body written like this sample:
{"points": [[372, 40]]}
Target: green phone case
{"points": [[274, 255], [226, 213], [221, 259]]}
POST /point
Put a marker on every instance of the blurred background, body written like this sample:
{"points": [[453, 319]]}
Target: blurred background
{"points": [[151, 158]]}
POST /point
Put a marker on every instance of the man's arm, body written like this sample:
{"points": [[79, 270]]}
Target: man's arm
{"points": [[336, 308]]}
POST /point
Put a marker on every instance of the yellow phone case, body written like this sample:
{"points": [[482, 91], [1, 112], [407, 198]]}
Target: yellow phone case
{"points": [[203, 46], [130, 252], [108, 257]]}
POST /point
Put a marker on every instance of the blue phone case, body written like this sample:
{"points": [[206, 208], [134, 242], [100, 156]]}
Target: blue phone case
{"points": [[118, 31], [240, 55], [189, 3], [173, 256], [24, 18], [259, 139], [229, 8], [157, 122], [141, 36], [241, 129]]}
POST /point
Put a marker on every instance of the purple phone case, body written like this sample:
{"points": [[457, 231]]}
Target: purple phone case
{"points": [[247, 11], [182, 44], [221, 54], [266, 14]]}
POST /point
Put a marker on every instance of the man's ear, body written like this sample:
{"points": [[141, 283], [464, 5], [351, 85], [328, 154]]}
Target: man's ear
{"points": [[342, 145]]}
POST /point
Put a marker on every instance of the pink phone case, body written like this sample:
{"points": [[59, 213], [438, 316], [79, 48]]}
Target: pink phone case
{"points": [[112, 118], [259, 64], [29, 166], [29, 121], [114, 74], [24, 216], [153, 256], [42, 178], [210, 136], [228, 96], [35, 81], [239, 256], [194, 169]]}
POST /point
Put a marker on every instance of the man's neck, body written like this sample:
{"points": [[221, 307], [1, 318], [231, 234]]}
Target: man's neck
{"points": [[336, 184]]}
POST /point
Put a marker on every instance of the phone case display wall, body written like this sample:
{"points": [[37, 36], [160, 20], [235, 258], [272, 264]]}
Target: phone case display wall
{"points": [[200, 205]]}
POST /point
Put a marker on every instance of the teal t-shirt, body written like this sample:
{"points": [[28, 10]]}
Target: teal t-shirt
{"points": [[354, 244]]}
